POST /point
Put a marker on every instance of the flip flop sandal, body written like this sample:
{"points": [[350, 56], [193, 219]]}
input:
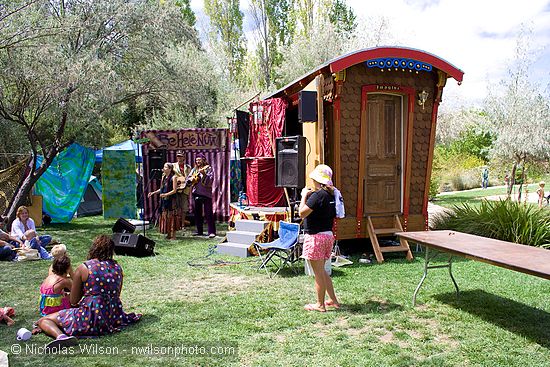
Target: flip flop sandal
{"points": [[313, 307], [333, 305]]}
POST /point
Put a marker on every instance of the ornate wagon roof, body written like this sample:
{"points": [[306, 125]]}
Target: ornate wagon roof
{"points": [[374, 57]]}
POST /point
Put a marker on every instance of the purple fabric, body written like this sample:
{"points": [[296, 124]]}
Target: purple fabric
{"points": [[204, 186], [218, 159]]}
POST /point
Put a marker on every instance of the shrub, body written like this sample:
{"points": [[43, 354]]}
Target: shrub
{"points": [[504, 220], [456, 170], [458, 178], [435, 183]]}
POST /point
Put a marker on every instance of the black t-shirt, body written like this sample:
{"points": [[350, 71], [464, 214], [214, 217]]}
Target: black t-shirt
{"points": [[324, 211]]}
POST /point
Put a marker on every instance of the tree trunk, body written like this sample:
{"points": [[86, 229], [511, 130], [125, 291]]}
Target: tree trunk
{"points": [[19, 197], [521, 183], [512, 180]]}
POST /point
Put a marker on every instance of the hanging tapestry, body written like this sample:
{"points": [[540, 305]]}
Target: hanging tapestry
{"points": [[119, 184], [63, 184], [268, 120]]}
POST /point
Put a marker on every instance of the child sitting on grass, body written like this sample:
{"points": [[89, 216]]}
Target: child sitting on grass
{"points": [[55, 288], [58, 251], [33, 241]]}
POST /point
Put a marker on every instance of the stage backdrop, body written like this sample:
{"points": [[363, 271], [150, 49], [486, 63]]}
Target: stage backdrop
{"points": [[212, 143], [118, 174]]}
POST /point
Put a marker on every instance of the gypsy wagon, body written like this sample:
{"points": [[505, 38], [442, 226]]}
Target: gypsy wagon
{"points": [[375, 126]]}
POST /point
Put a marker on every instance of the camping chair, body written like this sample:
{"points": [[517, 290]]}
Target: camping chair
{"points": [[283, 251]]}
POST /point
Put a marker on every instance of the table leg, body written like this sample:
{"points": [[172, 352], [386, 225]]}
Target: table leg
{"points": [[427, 266], [451, 273]]}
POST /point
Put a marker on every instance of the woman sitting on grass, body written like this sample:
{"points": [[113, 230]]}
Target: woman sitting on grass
{"points": [[24, 223], [95, 293]]}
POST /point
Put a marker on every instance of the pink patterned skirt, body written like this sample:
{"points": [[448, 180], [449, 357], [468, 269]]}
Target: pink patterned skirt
{"points": [[317, 246]]}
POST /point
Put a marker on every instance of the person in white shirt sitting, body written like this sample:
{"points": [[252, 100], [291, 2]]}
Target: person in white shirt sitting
{"points": [[22, 224]]}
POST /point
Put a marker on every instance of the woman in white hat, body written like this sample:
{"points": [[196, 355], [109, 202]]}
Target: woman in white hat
{"points": [[318, 209]]}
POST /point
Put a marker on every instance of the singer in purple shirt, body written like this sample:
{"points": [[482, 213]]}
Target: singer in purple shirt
{"points": [[202, 177]]}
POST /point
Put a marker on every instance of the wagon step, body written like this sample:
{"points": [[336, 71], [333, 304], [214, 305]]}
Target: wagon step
{"points": [[386, 230], [373, 235]]}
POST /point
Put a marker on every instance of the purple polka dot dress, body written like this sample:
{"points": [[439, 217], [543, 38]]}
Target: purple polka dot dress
{"points": [[100, 309]]}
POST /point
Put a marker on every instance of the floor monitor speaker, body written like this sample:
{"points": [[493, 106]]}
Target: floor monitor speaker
{"points": [[123, 226], [132, 244]]}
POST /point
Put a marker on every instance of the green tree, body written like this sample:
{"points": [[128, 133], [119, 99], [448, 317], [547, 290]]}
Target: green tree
{"points": [[473, 142], [95, 58], [226, 19], [187, 12], [519, 113], [343, 19], [273, 30]]}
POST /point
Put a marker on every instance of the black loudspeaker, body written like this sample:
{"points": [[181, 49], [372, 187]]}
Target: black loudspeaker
{"points": [[123, 226], [133, 244], [307, 106], [155, 160], [290, 161]]}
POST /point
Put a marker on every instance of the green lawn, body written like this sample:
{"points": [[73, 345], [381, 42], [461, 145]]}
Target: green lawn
{"points": [[474, 196], [501, 318]]}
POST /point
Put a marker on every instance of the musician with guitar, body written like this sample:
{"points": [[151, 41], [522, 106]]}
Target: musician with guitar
{"points": [[182, 171], [201, 179]]}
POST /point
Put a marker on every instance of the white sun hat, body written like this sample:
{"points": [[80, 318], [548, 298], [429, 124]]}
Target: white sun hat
{"points": [[322, 174]]}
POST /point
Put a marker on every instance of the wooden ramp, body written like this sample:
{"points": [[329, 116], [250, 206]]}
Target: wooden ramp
{"points": [[375, 233]]}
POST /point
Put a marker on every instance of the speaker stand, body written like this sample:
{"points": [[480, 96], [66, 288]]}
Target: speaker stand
{"points": [[293, 207]]}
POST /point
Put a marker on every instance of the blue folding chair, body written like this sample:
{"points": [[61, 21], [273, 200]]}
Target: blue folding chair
{"points": [[283, 251]]}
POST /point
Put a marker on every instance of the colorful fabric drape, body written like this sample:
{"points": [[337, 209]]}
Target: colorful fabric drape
{"points": [[64, 182], [119, 184], [268, 120]]}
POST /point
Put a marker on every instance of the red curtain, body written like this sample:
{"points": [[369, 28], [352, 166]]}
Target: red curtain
{"points": [[267, 123], [260, 183]]}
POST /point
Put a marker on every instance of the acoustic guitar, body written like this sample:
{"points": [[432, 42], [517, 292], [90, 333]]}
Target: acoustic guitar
{"points": [[181, 184], [190, 180]]}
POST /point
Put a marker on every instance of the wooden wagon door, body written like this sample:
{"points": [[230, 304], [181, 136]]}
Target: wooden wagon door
{"points": [[382, 153]]}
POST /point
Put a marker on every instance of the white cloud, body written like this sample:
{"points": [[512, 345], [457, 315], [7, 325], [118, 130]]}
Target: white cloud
{"points": [[477, 36]]}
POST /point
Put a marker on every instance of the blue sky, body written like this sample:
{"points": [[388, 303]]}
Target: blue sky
{"points": [[477, 36]]}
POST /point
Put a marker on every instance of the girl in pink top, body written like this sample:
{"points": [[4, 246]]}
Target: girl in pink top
{"points": [[53, 296]]}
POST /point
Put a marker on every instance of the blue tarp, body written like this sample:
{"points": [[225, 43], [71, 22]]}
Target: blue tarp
{"points": [[62, 185], [125, 145]]}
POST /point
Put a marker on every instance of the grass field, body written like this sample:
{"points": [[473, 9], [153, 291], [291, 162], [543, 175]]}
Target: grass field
{"points": [[474, 196], [501, 318]]}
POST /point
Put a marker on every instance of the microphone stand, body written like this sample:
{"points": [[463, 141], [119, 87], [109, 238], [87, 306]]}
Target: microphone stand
{"points": [[139, 141]]}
